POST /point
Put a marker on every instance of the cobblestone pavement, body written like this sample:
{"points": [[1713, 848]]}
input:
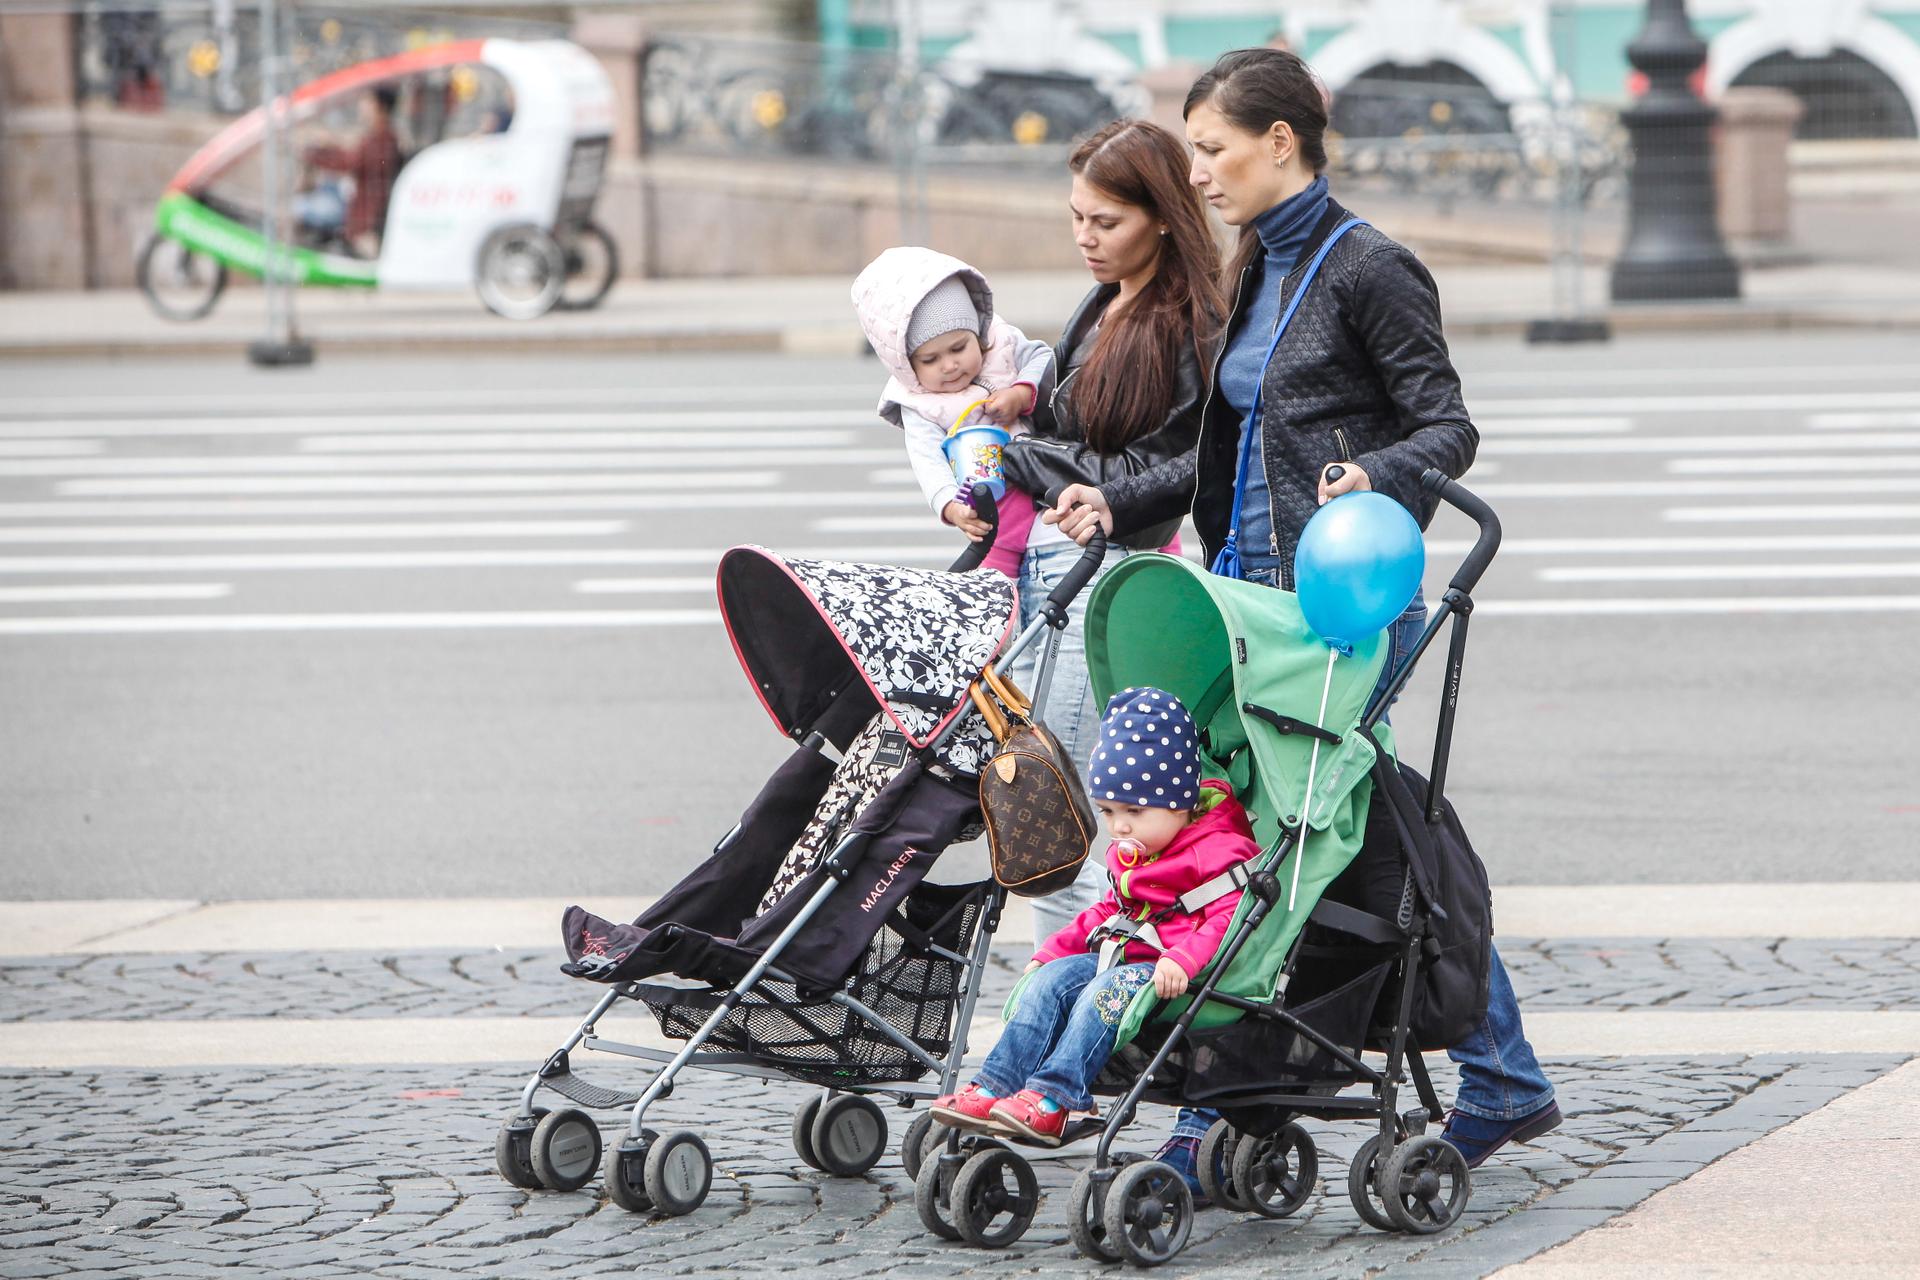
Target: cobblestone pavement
{"points": [[1587, 973], [388, 1172]]}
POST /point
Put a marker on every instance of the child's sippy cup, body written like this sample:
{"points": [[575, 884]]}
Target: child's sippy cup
{"points": [[973, 451]]}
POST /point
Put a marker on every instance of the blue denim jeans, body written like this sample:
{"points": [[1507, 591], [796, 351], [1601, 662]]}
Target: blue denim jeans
{"points": [[1069, 710], [1062, 1029], [1500, 1079]]}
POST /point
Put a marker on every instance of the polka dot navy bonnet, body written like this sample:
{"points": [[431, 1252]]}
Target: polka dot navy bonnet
{"points": [[1148, 753]]}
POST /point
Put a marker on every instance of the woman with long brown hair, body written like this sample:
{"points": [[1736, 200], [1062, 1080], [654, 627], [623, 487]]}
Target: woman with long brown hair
{"points": [[1124, 397]]}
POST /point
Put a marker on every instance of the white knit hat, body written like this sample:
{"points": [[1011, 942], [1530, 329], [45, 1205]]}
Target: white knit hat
{"points": [[948, 306]]}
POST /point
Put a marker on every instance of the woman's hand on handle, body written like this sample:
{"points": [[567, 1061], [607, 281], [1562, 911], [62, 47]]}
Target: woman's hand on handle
{"points": [[1079, 511], [1337, 478]]}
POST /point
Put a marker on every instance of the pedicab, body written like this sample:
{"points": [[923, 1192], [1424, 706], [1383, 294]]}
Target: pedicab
{"points": [[508, 212]]}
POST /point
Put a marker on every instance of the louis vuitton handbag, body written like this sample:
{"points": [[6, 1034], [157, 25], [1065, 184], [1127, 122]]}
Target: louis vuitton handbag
{"points": [[1039, 820]]}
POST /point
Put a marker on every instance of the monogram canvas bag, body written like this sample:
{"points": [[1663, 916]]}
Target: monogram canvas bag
{"points": [[1039, 820]]}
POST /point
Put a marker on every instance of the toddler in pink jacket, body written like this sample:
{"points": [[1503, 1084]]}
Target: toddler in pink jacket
{"points": [[1174, 834]]}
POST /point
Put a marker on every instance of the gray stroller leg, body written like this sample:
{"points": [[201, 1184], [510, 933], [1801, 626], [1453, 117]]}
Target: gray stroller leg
{"points": [[580, 1033]]}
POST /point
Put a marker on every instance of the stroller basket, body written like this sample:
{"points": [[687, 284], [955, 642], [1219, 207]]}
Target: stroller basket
{"points": [[822, 1042], [1261, 1055]]}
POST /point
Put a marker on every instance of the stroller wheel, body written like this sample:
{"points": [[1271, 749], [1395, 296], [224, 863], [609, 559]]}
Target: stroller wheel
{"points": [[1149, 1213], [803, 1117], [1425, 1185], [1087, 1217], [1215, 1169], [913, 1147], [1363, 1176], [994, 1197], [678, 1173], [849, 1135], [513, 1151], [1275, 1174], [933, 1190], [626, 1172], [565, 1149]]}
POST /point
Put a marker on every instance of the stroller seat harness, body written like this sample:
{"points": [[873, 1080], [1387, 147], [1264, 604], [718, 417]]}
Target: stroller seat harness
{"points": [[1114, 933]]}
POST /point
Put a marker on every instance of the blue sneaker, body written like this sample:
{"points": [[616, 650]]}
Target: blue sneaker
{"points": [[1183, 1154], [1476, 1137]]}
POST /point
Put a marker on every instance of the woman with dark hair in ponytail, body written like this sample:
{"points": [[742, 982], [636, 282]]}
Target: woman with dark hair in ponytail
{"points": [[1333, 376], [1123, 398]]}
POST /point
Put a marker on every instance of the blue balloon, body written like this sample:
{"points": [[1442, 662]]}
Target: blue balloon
{"points": [[1357, 566]]}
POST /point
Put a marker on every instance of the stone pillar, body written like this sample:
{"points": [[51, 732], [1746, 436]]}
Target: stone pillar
{"points": [[619, 42], [1756, 128], [44, 227]]}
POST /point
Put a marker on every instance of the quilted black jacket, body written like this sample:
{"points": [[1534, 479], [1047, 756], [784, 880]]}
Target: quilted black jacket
{"points": [[1362, 375], [1147, 500]]}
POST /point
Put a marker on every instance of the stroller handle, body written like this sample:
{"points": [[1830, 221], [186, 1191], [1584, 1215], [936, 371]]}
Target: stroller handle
{"points": [[1455, 494], [1078, 577], [976, 552]]}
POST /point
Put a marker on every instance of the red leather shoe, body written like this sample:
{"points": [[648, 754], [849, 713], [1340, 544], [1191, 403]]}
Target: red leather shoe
{"points": [[966, 1109], [1023, 1115]]}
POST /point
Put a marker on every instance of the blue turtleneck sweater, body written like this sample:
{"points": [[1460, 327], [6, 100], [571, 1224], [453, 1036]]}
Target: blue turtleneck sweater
{"points": [[1284, 231]]}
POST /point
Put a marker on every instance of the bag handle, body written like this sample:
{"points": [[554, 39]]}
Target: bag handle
{"points": [[1018, 703], [990, 712]]}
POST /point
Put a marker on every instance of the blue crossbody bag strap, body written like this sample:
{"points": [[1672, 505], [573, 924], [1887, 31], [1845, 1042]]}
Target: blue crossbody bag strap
{"points": [[1227, 563]]}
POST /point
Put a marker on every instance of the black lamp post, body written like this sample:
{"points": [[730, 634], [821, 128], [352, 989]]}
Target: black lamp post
{"points": [[1673, 247]]}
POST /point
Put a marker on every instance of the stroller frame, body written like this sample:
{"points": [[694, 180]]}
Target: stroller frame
{"points": [[1119, 1209], [671, 1174]]}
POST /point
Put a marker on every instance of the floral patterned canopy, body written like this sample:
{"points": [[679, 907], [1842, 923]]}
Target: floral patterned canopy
{"points": [[812, 634]]}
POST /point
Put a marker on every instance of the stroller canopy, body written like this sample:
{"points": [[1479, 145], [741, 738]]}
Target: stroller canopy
{"points": [[1220, 644], [830, 645]]}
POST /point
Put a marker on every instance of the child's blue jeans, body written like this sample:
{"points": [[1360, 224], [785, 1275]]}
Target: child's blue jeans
{"points": [[1061, 1030]]}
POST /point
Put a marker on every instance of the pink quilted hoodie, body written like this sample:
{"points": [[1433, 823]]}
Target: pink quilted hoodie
{"points": [[1220, 838], [884, 297]]}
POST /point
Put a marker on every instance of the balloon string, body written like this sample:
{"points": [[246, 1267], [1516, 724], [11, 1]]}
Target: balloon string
{"points": [[1306, 808]]}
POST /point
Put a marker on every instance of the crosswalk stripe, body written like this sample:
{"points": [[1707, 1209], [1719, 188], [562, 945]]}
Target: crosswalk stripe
{"points": [[1863, 421], [1700, 605], [1771, 442], [315, 464], [51, 448], [1797, 466], [406, 443], [508, 558], [1780, 402], [549, 483], [1694, 488], [185, 624], [666, 421], [404, 402], [200, 508], [115, 591], [1493, 424], [1690, 544], [1724, 572], [642, 586], [1802, 511], [58, 534]]}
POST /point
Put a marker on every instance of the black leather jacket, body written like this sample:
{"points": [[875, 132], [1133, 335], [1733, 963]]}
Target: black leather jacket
{"points": [[1146, 508], [1362, 375]]}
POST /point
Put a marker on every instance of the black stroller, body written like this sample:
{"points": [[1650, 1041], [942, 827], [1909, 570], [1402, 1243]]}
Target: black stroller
{"points": [[809, 945], [1365, 923]]}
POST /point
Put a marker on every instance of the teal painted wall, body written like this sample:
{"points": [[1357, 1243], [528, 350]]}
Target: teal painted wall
{"points": [[1204, 39]]}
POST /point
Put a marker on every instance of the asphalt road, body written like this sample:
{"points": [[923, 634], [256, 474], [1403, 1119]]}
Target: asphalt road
{"points": [[432, 628]]}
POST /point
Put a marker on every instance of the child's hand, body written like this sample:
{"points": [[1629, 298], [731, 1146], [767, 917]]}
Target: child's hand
{"points": [[1169, 979], [1032, 964], [1006, 405], [965, 519]]}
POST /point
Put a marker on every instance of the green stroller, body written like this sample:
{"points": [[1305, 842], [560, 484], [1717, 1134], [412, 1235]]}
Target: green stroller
{"points": [[1364, 924]]}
